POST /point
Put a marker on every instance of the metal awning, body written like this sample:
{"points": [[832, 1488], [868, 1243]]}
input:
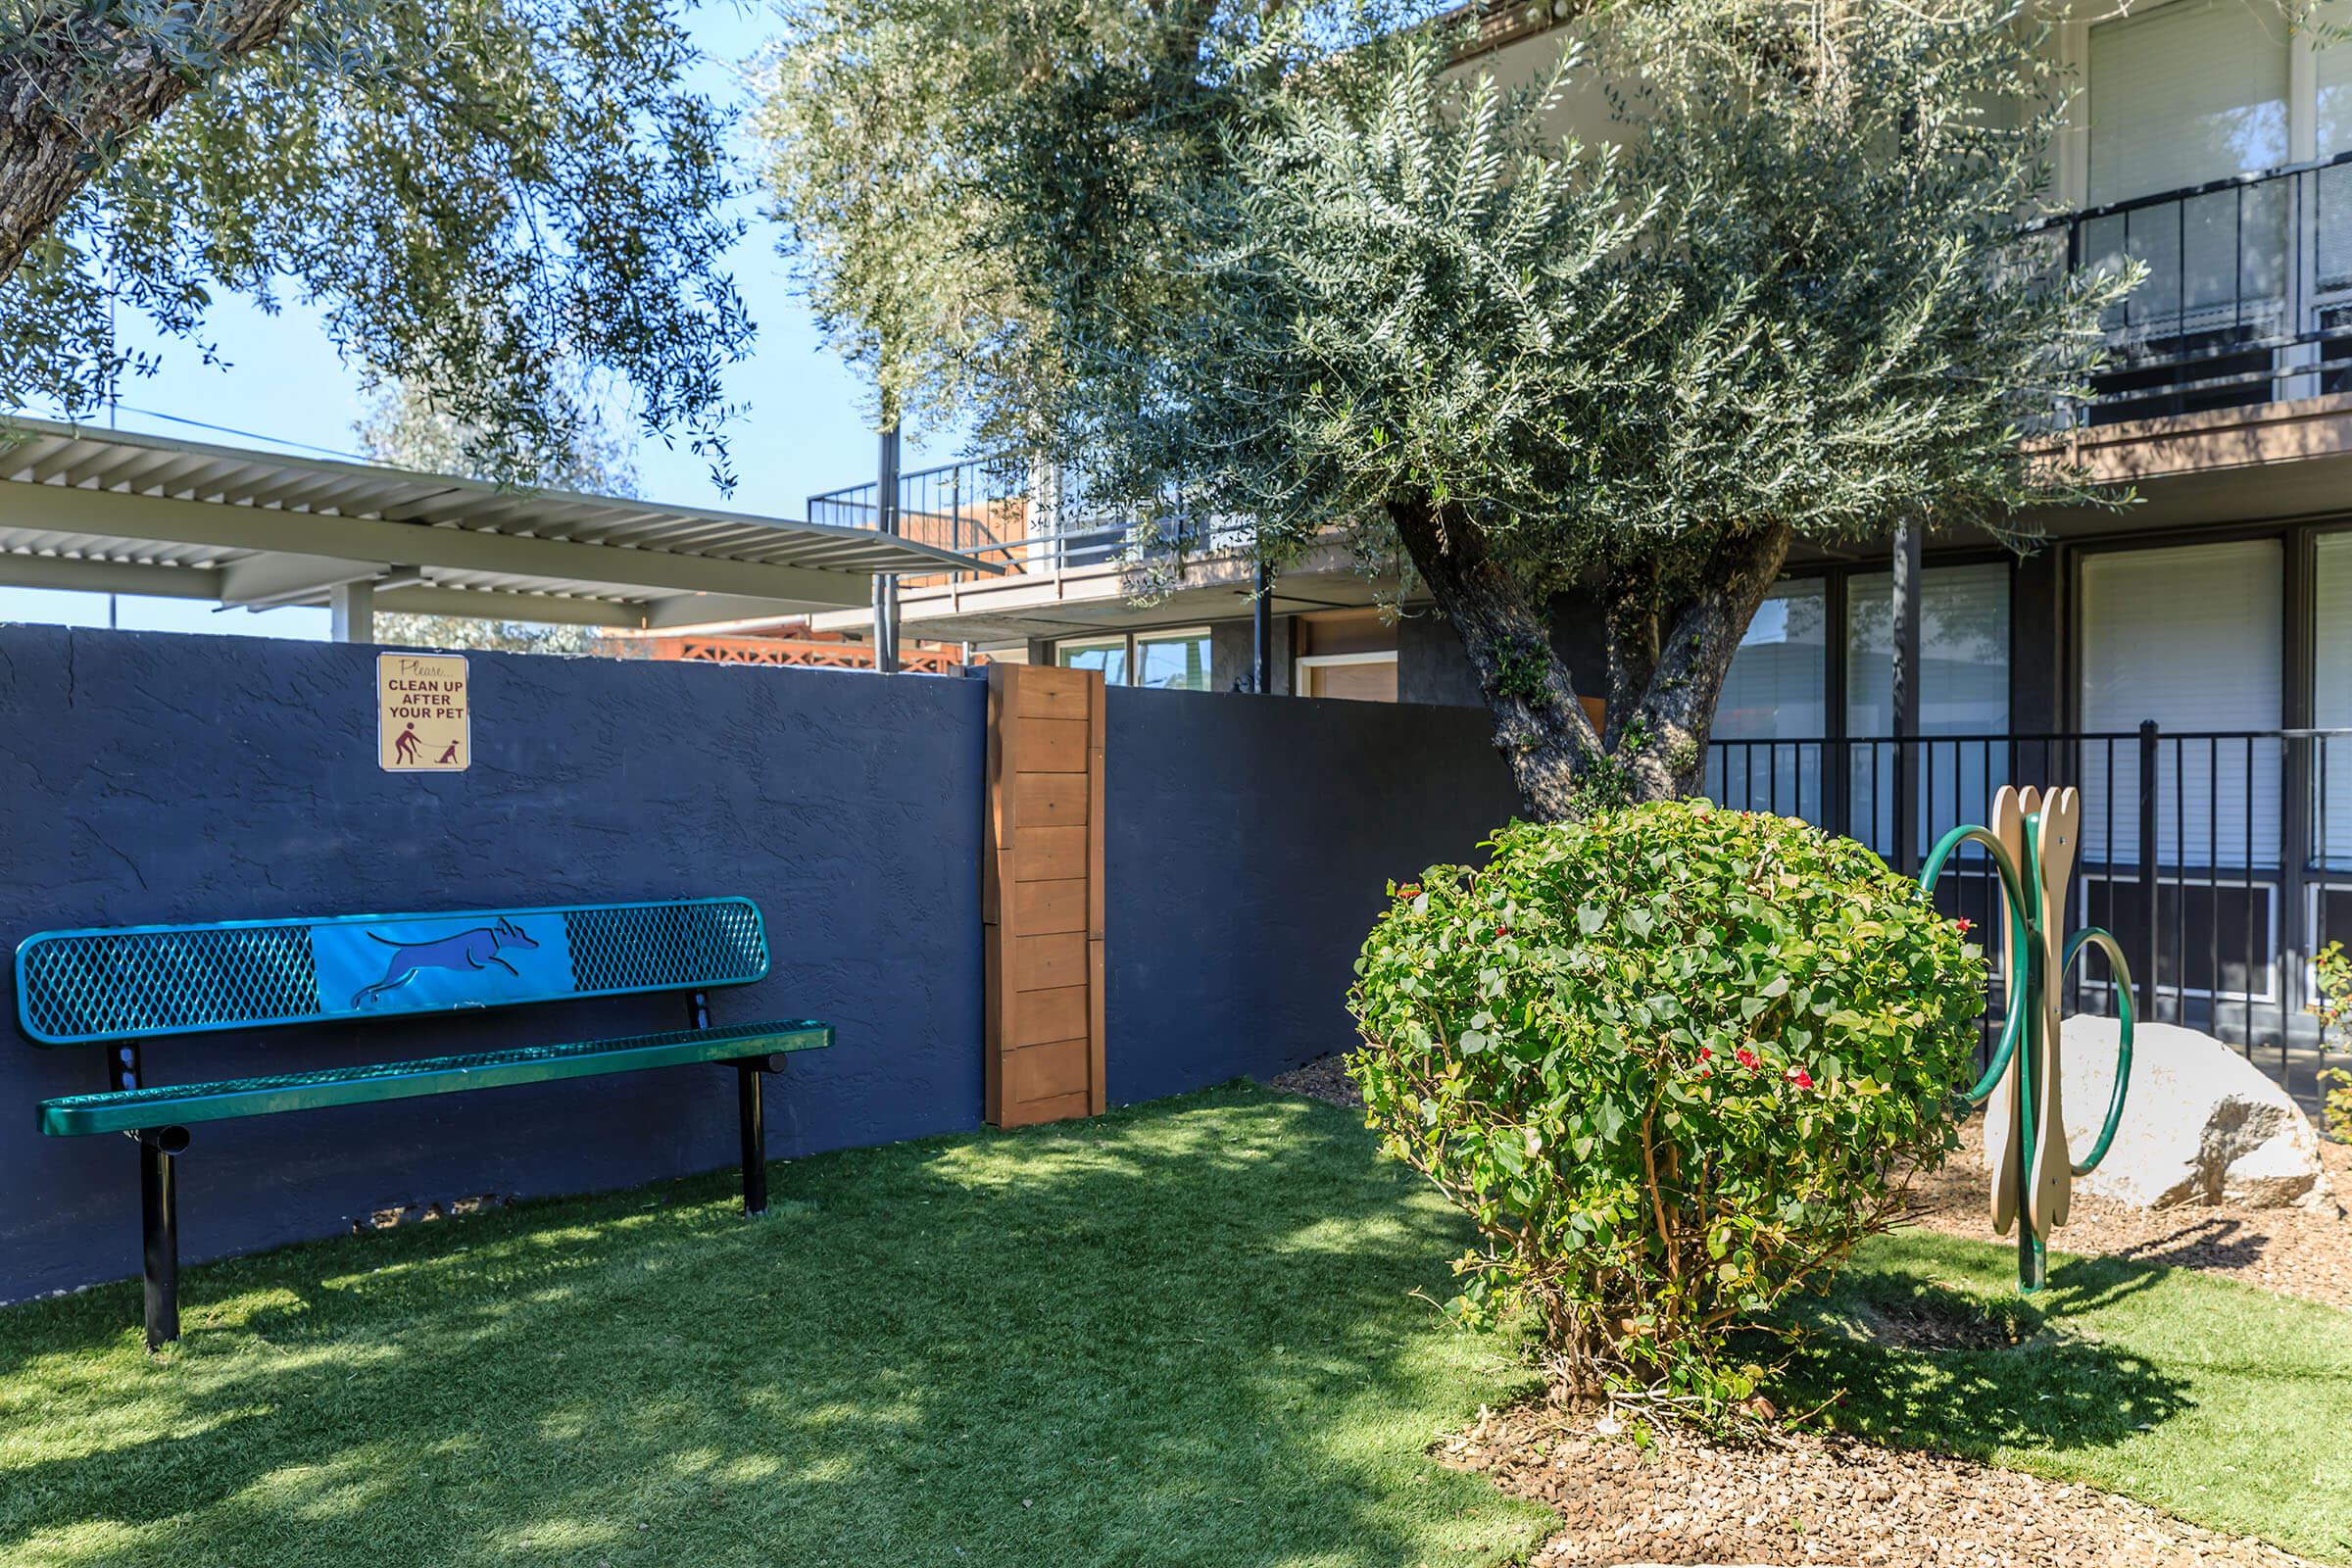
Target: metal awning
{"points": [[118, 511]]}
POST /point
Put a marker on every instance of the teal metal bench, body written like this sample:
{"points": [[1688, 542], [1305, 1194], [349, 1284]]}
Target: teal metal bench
{"points": [[130, 985]]}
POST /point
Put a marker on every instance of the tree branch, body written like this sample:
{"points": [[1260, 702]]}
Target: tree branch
{"points": [[1629, 620], [1667, 755], [1540, 729], [73, 86]]}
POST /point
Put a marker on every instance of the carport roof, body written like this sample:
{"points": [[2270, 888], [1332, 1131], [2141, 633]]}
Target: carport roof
{"points": [[121, 511]]}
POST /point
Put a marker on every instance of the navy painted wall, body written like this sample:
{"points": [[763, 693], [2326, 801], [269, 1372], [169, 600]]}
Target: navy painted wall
{"points": [[151, 778], [160, 779], [1249, 843]]}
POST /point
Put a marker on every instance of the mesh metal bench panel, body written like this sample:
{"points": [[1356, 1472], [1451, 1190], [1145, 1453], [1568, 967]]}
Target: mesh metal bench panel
{"points": [[81, 986], [130, 1109]]}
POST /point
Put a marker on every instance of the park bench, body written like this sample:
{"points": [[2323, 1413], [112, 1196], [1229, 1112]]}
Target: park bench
{"points": [[136, 985]]}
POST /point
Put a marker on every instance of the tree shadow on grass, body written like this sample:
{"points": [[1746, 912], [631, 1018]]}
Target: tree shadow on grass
{"points": [[2214, 1243], [1910, 1359], [1184, 1334]]}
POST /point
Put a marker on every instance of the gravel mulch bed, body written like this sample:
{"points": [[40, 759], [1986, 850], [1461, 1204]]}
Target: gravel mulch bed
{"points": [[2293, 1252], [1325, 1078], [1813, 1500], [1825, 1498]]}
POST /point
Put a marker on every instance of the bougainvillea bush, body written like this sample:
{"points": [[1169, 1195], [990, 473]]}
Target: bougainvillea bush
{"points": [[1675, 1060]]}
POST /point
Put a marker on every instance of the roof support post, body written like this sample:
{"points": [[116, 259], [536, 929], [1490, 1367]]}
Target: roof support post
{"points": [[1261, 631], [1910, 766], [886, 588], [351, 611]]}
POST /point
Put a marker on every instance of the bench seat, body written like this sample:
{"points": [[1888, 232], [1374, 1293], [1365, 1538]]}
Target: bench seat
{"points": [[138, 1109], [132, 989]]}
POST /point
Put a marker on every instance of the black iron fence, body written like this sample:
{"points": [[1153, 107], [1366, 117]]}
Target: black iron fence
{"points": [[2248, 293], [2221, 859], [1023, 515]]}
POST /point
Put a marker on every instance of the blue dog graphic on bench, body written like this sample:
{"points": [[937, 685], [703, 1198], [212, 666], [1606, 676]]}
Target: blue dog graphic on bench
{"points": [[476, 949]]}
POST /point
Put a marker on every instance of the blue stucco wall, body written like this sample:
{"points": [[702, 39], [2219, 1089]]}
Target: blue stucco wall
{"points": [[161, 779], [152, 778], [1251, 840]]}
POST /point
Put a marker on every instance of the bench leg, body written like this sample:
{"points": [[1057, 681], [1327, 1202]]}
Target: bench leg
{"points": [[751, 1118], [158, 1230]]}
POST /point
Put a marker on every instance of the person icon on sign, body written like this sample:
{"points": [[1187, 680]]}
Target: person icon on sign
{"points": [[403, 746], [448, 757]]}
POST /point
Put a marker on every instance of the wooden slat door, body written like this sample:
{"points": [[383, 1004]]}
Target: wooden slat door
{"points": [[1041, 899]]}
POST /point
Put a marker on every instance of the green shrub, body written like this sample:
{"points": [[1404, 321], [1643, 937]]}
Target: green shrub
{"points": [[1675, 1060], [2334, 1007]]}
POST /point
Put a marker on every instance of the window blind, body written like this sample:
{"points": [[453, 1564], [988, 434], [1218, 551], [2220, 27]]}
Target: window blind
{"points": [[1964, 690], [2184, 93], [2331, 697], [2189, 637], [1775, 690]]}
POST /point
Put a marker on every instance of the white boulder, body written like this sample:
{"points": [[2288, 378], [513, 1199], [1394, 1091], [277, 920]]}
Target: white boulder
{"points": [[2201, 1123]]}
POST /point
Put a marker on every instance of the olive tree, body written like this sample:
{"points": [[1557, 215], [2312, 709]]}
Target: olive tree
{"points": [[1371, 292], [475, 194], [405, 429]]}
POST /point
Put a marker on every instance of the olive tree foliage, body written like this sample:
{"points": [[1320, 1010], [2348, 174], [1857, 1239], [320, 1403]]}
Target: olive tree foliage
{"points": [[913, 154], [475, 194], [1794, 301], [1787, 296], [403, 429]]}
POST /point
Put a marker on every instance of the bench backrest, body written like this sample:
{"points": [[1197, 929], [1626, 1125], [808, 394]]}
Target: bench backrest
{"points": [[80, 987]]}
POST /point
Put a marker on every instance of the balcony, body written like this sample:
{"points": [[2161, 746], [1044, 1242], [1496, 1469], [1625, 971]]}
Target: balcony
{"points": [[2248, 295], [1025, 517]]}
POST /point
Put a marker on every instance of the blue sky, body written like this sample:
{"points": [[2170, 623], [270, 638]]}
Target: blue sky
{"points": [[806, 430]]}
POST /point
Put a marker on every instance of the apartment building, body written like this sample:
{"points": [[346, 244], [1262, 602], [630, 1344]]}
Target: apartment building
{"points": [[2212, 142]]}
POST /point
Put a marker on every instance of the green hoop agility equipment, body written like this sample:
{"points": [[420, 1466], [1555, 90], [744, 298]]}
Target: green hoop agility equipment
{"points": [[2033, 840]]}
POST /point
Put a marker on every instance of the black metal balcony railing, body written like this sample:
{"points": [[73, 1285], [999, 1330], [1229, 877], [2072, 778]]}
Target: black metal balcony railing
{"points": [[2247, 298], [1023, 515], [2222, 860]]}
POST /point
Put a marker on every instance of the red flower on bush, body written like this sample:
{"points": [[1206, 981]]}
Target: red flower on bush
{"points": [[1965, 924], [1747, 1058], [1411, 890], [1800, 1077]]}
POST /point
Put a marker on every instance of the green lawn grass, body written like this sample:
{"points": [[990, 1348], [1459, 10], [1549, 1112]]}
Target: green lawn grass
{"points": [[2226, 1406], [1182, 1333], [1187, 1333]]}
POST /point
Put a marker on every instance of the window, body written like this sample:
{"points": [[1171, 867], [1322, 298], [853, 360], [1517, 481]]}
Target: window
{"points": [[2189, 637], [1174, 661], [2331, 700], [1963, 690], [2189, 92], [1109, 656], [2332, 68], [1772, 696], [2185, 93], [1367, 677]]}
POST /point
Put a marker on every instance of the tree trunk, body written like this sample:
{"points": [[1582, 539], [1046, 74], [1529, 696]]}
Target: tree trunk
{"points": [[80, 81], [1539, 727], [1666, 661]]}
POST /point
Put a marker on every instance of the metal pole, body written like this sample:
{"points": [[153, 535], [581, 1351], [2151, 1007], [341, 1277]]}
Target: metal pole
{"points": [[886, 588], [2149, 882], [752, 1129], [1905, 692], [159, 1233], [1261, 631]]}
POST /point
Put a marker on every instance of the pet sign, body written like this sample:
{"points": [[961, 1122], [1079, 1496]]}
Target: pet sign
{"points": [[424, 721]]}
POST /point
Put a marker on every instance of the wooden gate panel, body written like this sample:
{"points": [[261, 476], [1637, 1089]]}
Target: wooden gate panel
{"points": [[1042, 895]]}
